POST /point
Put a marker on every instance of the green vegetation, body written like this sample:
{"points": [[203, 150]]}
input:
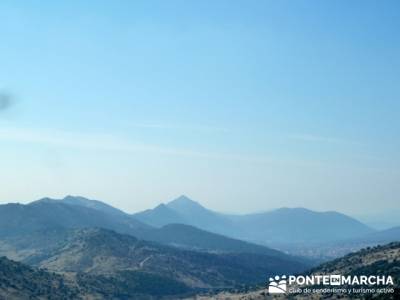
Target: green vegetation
{"points": [[19, 282], [378, 260], [103, 252], [130, 285]]}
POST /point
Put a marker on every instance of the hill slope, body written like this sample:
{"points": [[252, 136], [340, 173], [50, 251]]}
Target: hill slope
{"points": [[103, 264], [379, 260], [20, 282], [104, 252]]}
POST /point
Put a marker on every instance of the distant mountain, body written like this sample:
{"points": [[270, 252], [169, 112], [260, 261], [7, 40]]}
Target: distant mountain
{"points": [[109, 254], [296, 231], [187, 207], [95, 204], [186, 211], [189, 237], [381, 220], [52, 214], [382, 237], [30, 232], [334, 249], [274, 228], [160, 216], [300, 225], [49, 215], [178, 235]]}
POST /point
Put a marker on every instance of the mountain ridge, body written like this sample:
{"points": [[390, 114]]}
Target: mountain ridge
{"points": [[17, 220], [279, 226]]}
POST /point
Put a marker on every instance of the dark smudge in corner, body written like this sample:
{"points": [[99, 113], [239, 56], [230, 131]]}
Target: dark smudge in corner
{"points": [[6, 100]]}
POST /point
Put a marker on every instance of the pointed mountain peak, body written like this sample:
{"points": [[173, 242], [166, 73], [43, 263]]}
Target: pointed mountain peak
{"points": [[183, 198], [187, 207], [184, 201]]}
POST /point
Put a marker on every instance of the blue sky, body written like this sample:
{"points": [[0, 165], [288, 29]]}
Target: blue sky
{"points": [[241, 105]]}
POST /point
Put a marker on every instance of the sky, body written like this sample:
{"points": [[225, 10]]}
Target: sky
{"points": [[241, 105]]}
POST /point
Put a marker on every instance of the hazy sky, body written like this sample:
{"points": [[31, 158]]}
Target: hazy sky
{"points": [[241, 105]]}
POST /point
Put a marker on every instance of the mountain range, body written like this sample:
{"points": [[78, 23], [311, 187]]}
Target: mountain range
{"points": [[278, 227], [298, 231], [49, 214], [187, 224], [107, 253], [94, 250]]}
